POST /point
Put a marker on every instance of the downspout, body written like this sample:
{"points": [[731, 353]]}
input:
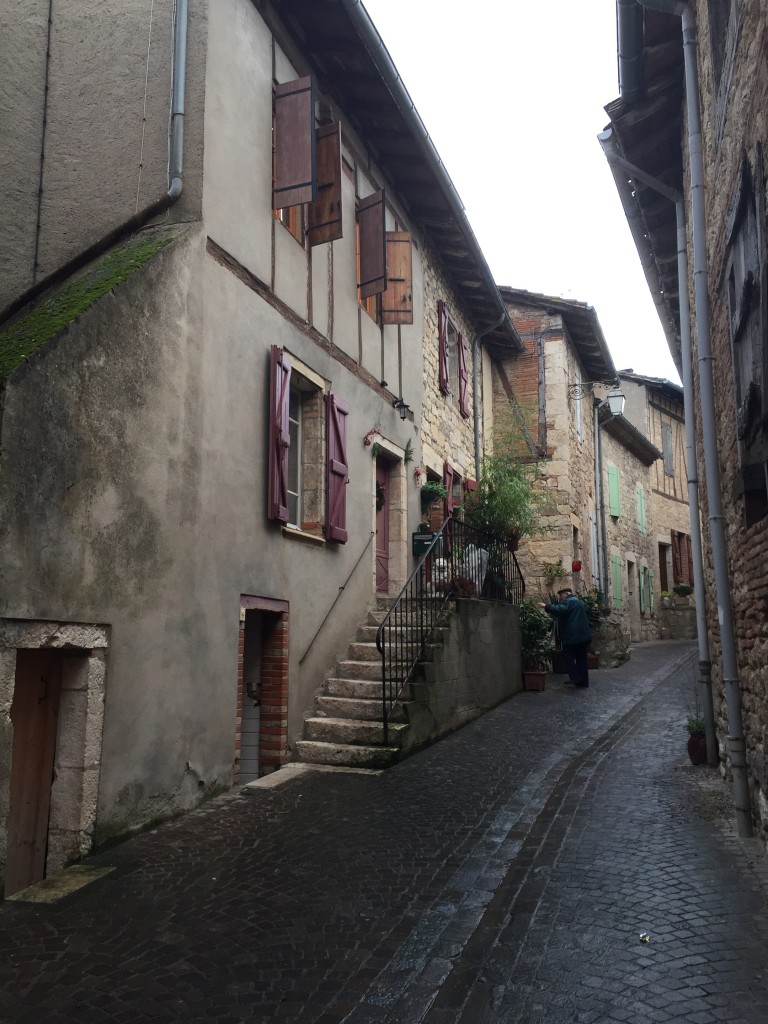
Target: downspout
{"points": [[476, 389], [602, 555], [736, 741], [617, 163], [154, 209], [389, 73]]}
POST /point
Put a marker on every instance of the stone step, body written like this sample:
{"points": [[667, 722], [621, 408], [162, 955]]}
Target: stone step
{"points": [[367, 634], [358, 708], [360, 651], [360, 669], [346, 755], [350, 730], [367, 689]]}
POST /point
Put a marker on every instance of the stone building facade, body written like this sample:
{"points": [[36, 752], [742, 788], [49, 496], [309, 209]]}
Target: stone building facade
{"points": [[730, 40], [189, 408], [655, 407]]}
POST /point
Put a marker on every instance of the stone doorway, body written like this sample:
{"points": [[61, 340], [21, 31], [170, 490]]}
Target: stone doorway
{"points": [[52, 677]]}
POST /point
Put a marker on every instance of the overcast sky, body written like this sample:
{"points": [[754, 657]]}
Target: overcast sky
{"points": [[513, 96]]}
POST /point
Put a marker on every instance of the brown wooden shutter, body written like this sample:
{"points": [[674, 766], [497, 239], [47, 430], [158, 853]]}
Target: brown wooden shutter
{"points": [[373, 245], [295, 152], [447, 507], [397, 300], [442, 345], [463, 377], [676, 561], [338, 474], [325, 213], [279, 435]]}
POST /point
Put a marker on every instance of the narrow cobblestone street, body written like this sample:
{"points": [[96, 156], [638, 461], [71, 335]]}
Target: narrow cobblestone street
{"points": [[505, 874]]}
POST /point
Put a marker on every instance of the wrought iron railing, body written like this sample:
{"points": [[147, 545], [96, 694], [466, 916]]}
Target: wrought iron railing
{"points": [[461, 561]]}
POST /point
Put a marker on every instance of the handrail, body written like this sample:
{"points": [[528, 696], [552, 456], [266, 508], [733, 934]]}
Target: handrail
{"points": [[341, 589], [474, 564]]}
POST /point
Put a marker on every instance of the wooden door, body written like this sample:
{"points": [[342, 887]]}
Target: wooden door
{"points": [[382, 527], [34, 714]]}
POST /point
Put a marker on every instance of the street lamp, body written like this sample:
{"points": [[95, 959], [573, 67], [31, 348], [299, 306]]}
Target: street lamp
{"points": [[401, 406], [616, 403]]}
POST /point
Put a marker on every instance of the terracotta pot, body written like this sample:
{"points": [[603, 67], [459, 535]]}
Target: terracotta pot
{"points": [[534, 679], [697, 748], [575, 565]]}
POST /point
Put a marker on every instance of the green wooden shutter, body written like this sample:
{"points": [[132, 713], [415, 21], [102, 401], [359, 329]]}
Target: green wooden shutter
{"points": [[641, 508], [618, 600], [641, 580], [614, 500], [651, 592]]}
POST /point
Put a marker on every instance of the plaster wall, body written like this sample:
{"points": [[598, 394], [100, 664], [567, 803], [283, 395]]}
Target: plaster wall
{"points": [[473, 668], [105, 139]]}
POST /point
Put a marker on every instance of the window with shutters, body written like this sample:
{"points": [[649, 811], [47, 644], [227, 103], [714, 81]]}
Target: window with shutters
{"points": [[371, 253], [453, 361], [294, 153], [614, 492], [747, 301], [640, 497], [296, 445]]}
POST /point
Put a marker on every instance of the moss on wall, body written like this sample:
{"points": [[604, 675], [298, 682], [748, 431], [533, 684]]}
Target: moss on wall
{"points": [[19, 341]]}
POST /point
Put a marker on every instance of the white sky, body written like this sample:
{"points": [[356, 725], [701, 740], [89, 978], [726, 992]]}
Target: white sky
{"points": [[512, 94]]}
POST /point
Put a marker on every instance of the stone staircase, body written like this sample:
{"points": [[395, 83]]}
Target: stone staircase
{"points": [[347, 728]]}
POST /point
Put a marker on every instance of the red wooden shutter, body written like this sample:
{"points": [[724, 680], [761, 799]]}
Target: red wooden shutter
{"points": [[463, 377], [337, 475], [373, 245], [279, 435], [325, 213], [442, 343], [295, 153], [397, 300], [689, 559]]}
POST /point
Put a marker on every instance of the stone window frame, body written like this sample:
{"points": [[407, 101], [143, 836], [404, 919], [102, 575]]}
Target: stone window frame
{"points": [[79, 732], [311, 389]]}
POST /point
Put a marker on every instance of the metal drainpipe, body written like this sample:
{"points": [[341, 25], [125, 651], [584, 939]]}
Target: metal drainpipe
{"points": [[705, 663], [154, 209], [602, 555], [736, 741], [476, 389]]}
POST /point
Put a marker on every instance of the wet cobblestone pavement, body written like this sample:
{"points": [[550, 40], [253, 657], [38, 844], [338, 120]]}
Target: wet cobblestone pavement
{"points": [[504, 874]]}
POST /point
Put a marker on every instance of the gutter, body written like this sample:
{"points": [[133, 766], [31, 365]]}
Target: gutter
{"points": [[391, 77], [731, 682], [154, 209]]}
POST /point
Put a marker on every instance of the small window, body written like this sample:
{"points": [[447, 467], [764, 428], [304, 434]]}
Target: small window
{"points": [[452, 343], [293, 218]]}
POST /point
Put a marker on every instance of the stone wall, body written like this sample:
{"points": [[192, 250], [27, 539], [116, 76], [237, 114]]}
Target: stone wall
{"points": [[626, 539]]}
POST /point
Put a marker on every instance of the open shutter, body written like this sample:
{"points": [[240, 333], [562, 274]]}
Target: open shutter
{"points": [[338, 474], [463, 377], [618, 597], [447, 506], [676, 560], [640, 508], [324, 214], [295, 152], [279, 435], [689, 558], [442, 346], [651, 590], [397, 300], [614, 499], [641, 587], [373, 245]]}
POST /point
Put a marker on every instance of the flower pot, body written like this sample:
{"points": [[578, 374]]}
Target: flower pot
{"points": [[534, 679], [697, 748]]}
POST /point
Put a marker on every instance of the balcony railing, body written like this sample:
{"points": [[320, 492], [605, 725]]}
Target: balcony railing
{"points": [[461, 561]]}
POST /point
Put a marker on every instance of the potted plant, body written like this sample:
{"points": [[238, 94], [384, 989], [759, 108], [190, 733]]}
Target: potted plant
{"points": [[536, 644], [433, 494], [697, 740], [504, 502]]}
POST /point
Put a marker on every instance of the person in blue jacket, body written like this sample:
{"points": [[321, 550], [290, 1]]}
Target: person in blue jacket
{"points": [[575, 634]]}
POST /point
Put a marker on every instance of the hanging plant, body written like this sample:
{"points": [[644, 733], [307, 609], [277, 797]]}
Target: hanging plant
{"points": [[408, 453], [380, 496], [368, 438]]}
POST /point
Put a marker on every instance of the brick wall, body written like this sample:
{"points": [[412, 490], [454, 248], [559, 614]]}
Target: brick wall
{"points": [[273, 726]]}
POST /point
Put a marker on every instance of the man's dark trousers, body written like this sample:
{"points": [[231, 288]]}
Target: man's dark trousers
{"points": [[575, 658]]}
